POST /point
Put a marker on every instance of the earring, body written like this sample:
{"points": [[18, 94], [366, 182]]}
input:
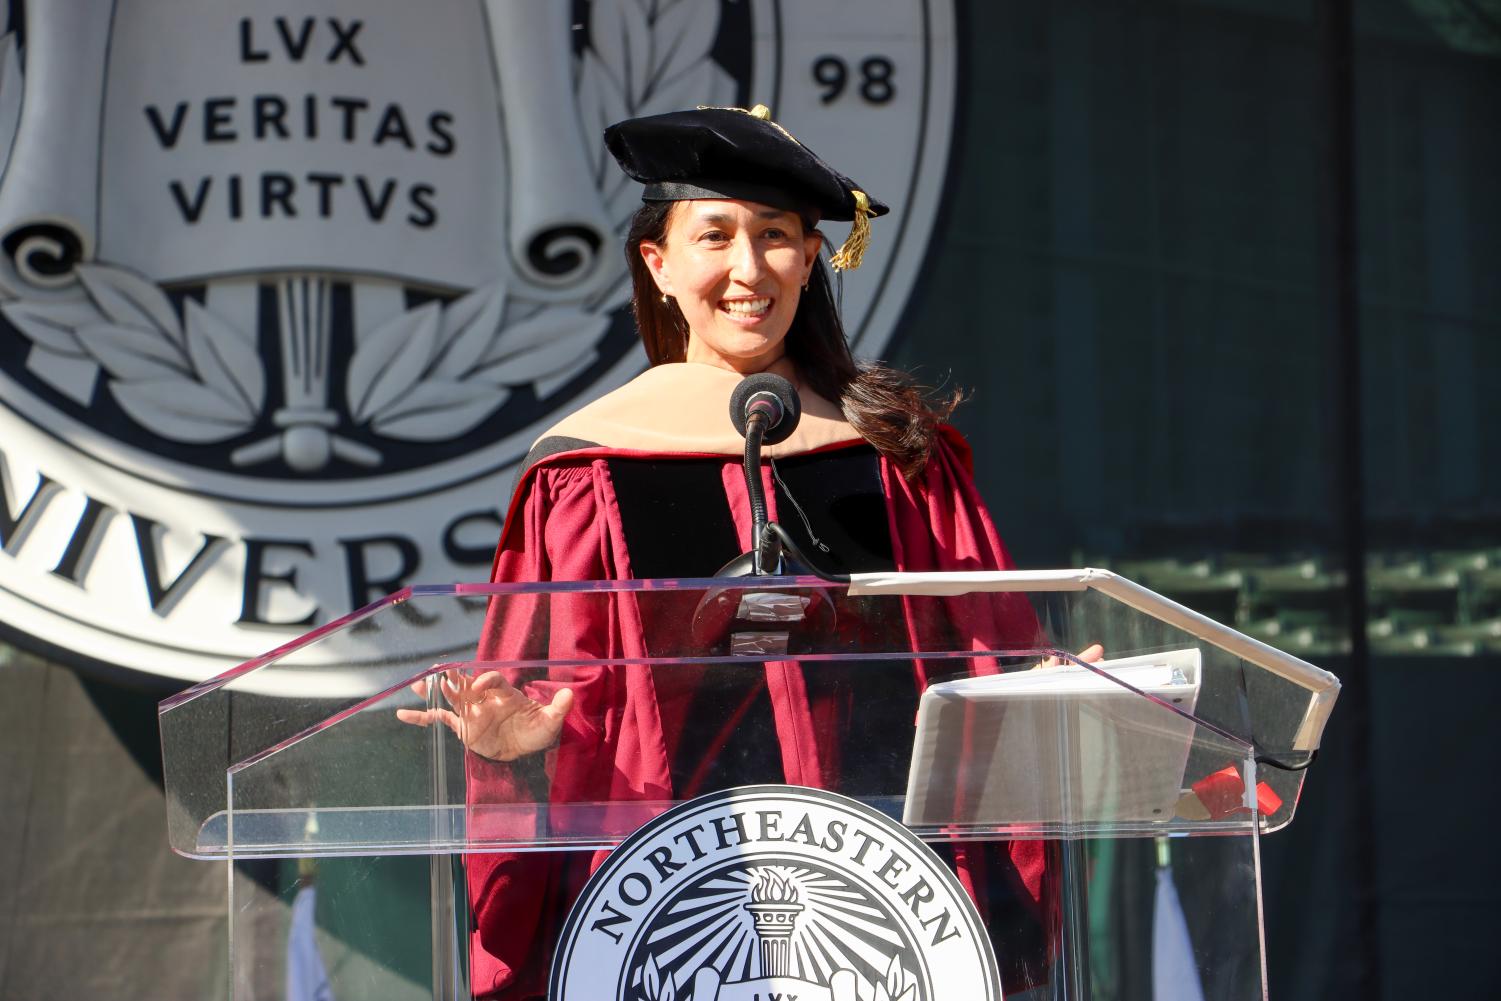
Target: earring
{"points": [[805, 286], [664, 298]]}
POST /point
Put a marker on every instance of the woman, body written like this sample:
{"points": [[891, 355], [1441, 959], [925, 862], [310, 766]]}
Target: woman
{"points": [[646, 483]]}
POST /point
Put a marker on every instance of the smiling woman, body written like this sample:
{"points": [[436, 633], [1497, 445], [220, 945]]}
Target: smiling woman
{"points": [[736, 270], [646, 483], [729, 220]]}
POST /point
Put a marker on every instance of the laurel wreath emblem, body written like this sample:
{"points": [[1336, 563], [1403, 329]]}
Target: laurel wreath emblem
{"points": [[899, 985], [193, 379], [427, 374], [437, 371], [656, 985]]}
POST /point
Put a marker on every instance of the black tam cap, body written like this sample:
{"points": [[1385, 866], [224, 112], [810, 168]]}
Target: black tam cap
{"points": [[740, 154]]}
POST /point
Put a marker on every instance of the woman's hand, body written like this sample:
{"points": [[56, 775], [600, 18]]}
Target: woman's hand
{"points": [[491, 716], [1090, 655]]}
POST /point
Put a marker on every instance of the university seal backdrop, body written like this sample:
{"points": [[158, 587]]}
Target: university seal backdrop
{"points": [[287, 291]]}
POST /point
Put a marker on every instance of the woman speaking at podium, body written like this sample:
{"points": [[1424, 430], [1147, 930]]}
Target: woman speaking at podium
{"points": [[646, 482]]}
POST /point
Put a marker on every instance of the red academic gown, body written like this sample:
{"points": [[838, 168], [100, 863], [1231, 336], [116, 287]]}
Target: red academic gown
{"points": [[564, 524]]}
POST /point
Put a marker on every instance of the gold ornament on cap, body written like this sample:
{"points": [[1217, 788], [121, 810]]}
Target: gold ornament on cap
{"points": [[849, 256], [760, 112]]}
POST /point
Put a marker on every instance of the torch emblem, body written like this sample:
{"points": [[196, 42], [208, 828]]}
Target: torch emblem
{"points": [[774, 908]]}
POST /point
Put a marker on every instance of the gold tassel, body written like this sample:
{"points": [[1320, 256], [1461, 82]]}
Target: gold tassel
{"points": [[849, 256], [760, 111]]}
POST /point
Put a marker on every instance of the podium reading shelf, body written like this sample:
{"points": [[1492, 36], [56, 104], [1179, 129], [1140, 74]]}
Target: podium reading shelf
{"points": [[1152, 779]]}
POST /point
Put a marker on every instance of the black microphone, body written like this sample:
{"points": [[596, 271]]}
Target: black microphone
{"points": [[771, 396], [765, 410]]}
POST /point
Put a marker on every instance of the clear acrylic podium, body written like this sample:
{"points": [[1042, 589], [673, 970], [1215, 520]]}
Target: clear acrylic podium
{"points": [[1150, 780]]}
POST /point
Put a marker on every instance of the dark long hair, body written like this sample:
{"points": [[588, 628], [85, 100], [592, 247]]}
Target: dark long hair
{"points": [[888, 408]]}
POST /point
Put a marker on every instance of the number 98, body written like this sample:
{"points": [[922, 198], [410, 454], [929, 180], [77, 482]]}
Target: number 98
{"points": [[876, 84]]}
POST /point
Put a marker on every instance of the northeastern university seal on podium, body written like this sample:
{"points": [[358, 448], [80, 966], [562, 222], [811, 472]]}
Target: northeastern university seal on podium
{"points": [[774, 893], [288, 290]]}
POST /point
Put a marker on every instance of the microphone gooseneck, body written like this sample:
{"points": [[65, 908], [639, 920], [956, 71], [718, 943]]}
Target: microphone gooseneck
{"points": [[755, 433], [765, 409]]}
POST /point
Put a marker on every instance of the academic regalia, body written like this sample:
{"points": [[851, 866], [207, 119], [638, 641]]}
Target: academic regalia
{"points": [[647, 482]]}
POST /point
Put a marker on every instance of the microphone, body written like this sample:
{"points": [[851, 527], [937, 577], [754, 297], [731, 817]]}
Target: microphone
{"points": [[765, 409], [771, 396]]}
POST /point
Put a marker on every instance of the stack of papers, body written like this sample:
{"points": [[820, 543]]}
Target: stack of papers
{"points": [[1158, 674], [1063, 747]]}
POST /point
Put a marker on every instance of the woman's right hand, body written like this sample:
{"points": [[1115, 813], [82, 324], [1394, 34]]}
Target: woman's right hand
{"points": [[491, 716], [1090, 655]]}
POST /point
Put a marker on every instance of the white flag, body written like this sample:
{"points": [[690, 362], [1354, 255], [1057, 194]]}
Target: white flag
{"points": [[1175, 975], [307, 980]]}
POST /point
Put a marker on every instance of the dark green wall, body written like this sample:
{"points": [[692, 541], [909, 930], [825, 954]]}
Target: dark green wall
{"points": [[1129, 273], [1139, 273]]}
